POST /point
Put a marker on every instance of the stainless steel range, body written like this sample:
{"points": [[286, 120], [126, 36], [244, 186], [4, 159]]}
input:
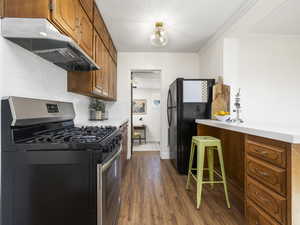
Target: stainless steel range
{"points": [[54, 172]]}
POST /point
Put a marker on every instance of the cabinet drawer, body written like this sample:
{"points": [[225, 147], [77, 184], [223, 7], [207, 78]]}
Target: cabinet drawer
{"points": [[268, 142], [256, 216], [276, 156], [272, 203], [271, 176]]}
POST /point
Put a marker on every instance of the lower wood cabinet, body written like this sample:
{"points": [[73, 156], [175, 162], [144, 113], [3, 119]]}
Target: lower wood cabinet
{"points": [[256, 216], [272, 203], [259, 174], [124, 130]]}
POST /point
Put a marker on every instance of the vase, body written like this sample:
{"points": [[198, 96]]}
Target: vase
{"points": [[96, 115]]}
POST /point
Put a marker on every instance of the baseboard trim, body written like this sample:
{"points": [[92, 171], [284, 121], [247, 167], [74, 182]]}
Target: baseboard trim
{"points": [[164, 155]]}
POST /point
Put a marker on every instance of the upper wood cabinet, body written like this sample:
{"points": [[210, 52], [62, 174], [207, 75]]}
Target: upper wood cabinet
{"points": [[98, 56], [65, 16], [80, 20], [88, 7], [106, 73], [100, 27], [85, 32], [26, 8]]}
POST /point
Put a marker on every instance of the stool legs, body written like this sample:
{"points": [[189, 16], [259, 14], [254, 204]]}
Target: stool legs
{"points": [[190, 165], [210, 146], [223, 173], [210, 162], [200, 165]]}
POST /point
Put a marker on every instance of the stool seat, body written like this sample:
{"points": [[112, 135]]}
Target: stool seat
{"points": [[207, 140], [209, 144]]}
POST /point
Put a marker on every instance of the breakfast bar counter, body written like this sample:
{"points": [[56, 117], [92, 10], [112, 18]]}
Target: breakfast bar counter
{"points": [[272, 131], [262, 164]]}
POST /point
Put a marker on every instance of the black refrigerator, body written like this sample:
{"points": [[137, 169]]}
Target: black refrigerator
{"points": [[188, 99]]}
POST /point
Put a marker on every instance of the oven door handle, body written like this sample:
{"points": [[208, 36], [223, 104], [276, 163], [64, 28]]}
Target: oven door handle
{"points": [[108, 164]]}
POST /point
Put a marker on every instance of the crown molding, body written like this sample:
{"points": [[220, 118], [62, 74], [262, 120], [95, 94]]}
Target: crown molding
{"points": [[243, 10]]}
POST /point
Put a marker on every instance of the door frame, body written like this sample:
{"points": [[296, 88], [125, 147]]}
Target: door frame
{"points": [[131, 104]]}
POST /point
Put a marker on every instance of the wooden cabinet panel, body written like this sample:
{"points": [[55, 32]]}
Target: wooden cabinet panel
{"points": [[268, 142], [255, 216], [100, 27], [234, 156], [1, 8], [98, 56], [276, 156], [105, 72], [65, 16], [88, 7], [272, 203], [115, 81], [26, 8], [271, 176], [80, 82], [111, 77], [98, 21], [85, 32], [124, 130]]}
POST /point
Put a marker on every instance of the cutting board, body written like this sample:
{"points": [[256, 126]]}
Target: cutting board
{"points": [[221, 99]]}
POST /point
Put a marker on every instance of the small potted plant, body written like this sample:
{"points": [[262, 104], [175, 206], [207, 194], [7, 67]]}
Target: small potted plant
{"points": [[97, 109]]}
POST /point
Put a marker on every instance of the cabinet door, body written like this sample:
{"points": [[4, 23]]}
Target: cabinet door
{"points": [[64, 15], [111, 78], [115, 81], [100, 27], [25, 8], [98, 56], [105, 72], [85, 32], [88, 7]]}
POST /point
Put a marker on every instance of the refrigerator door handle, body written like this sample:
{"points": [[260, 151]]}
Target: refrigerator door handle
{"points": [[169, 100], [169, 107], [169, 113]]}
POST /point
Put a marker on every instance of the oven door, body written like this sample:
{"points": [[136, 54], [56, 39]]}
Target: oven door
{"points": [[108, 190]]}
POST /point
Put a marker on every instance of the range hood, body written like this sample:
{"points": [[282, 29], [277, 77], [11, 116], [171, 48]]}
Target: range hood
{"points": [[43, 39]]}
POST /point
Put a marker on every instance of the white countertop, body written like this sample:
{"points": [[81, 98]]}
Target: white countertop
{"points": [[290, 134]]}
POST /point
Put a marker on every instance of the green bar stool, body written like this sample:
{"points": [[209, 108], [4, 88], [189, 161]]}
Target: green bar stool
{"points": [[209, 144]]}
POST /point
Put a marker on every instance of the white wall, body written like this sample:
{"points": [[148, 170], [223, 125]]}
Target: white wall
{"points": [[172, 65], [265, 67], [152, 117], [269, 77]]}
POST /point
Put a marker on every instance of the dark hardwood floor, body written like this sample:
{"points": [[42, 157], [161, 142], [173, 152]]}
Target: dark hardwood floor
{"points": [[154, 194]]}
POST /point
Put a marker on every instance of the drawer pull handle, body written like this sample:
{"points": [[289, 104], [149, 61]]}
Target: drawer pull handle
{"points": [[256, 222], [261, 198], [261, 152], [264, 174]]}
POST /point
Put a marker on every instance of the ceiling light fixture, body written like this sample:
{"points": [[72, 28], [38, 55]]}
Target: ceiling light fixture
{"points": [[159, 37]]}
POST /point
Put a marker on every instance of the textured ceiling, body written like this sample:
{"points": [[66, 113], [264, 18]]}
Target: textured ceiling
{"points": [[189, 23]]}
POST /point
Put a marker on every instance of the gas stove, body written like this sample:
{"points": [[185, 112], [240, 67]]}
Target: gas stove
{"points": [[51, 166], [89, 134]]}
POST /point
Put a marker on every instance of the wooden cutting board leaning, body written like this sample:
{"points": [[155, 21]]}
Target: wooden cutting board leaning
{"points": [[221, 98]]}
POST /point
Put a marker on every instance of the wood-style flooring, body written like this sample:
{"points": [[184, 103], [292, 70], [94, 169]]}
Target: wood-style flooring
{"points": [[154, 194]]}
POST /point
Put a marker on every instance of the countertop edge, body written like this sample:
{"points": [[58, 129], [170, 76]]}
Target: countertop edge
{"points": [[280, 136]]}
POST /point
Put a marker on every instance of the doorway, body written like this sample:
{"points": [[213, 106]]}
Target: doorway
{"points": [[145, 110]]}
